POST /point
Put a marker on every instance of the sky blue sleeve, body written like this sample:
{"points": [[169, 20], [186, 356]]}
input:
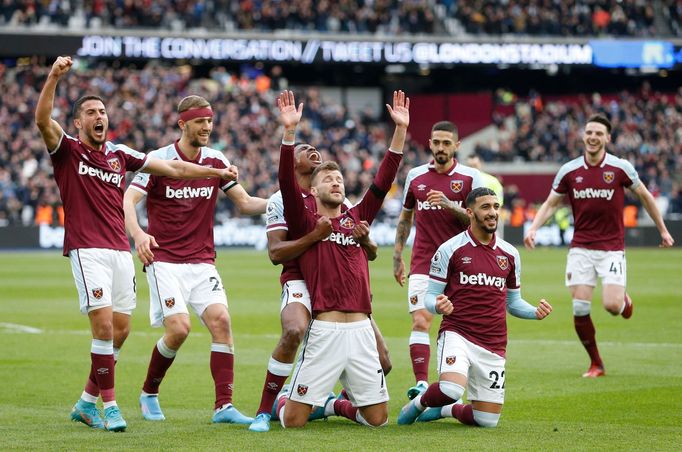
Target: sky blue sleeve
{"points": [[518, 307], [435, 288]]}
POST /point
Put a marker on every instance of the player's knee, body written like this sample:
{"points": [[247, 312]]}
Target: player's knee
{"points": [[293, 419], [103, 329], [373, 418], [292, 334], [421, 322], [177, 330], [614, 304], [485, 419], [451, 389]]}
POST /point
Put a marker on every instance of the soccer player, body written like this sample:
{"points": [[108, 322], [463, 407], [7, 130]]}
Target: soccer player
{"points": [[90, 172], [474, 278], [595, 184], [181, 266], [433, 196], [340, 343], [295, 307]]}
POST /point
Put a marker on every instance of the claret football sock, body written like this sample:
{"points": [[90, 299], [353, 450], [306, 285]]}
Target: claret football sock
{"points": [[345, 408], [160, 362], [464, 413], [420, 353], [587, 335], [102, 356], [274, 380], [222, 370]]}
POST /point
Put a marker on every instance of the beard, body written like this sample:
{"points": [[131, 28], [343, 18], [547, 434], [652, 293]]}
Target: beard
{"points": [[481, 223], [97, 141], [329, 200], [442, 158]]}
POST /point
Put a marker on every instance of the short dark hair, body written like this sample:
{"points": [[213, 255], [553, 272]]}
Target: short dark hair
{"points": [[446, 126], [601, 119], [78, 106], [325, 166], [477, 193]]}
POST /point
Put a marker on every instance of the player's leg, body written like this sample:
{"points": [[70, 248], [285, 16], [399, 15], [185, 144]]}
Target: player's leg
{"points": [[581, 278], [420, 347], [612, 269], [92, 274], [363, 378], [453, 368], [209, 301], [167, 308], [485, 389], [295, 318], [324, 354]]}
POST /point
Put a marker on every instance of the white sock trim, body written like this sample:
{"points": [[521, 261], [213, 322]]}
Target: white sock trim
{"points": [[165, 350], [361, 420], [485, 419], [100, 347], [281, 415], [87, 397], [109, 404], [278, 368], [451, 389], [419, 337], [581, 308], [418, 402], [222, 348]]}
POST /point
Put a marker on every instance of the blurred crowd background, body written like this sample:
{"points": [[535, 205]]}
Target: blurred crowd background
{"points": [[141, 98]]}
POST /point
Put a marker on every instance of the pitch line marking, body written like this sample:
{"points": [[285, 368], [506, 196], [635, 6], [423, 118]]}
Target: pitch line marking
{"points": [[16, 328]]}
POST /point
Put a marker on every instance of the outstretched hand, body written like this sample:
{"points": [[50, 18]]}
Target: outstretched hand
{"points": [[289, 115], [61, 66], [229, 174], [400, 112]]}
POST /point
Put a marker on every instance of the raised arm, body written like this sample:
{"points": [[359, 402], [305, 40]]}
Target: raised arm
{"points": [[402, 232], [143, 241], [649, 204], [292, 198], [50, 129], [545, 213], [178, 169]]}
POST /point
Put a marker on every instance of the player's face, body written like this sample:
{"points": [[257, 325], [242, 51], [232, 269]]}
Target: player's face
{"points": [[329, 188], [197, 130], [595, 137], [307, 158], [485, 213], [443, 146], [92, 122]]}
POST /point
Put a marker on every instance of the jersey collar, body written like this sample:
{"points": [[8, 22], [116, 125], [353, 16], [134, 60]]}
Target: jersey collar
{"points": [[184, 157], [450, 171], [492, 245], [601, 163]]}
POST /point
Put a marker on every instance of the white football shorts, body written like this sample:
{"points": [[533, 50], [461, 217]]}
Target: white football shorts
{"points": [[173, 287], [483, 368], [104, 277], [417, 285], [583, 266], [295, 292], [339, 351]]}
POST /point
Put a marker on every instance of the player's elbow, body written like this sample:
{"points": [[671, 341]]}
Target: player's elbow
{"points": [[275, 257]]}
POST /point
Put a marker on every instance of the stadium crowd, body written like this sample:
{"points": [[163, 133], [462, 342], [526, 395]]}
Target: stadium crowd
{"points": [[141, 107], [647, 131], [493, 17]]}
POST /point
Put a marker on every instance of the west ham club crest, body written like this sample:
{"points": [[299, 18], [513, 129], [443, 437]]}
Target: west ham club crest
{"points": [[456, 185], [608, 176], [503, 262], [302, 390], [347, 223], [114, 164], [98, 292], [170, 302]]}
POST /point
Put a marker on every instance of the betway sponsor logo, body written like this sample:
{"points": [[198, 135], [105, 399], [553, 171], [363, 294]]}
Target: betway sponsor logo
{"points": [[341, 239], [593, 193], [86, 170], [425, 205], [482, 279], [189, 192]]}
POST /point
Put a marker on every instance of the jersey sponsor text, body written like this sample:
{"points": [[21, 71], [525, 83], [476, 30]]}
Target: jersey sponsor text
{"points": [[189, 192], [482, 279], [341, 239], [593, 193], [86, 170]]}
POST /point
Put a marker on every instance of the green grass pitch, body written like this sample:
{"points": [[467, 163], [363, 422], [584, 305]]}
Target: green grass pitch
{"points": [[44, 346]]}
